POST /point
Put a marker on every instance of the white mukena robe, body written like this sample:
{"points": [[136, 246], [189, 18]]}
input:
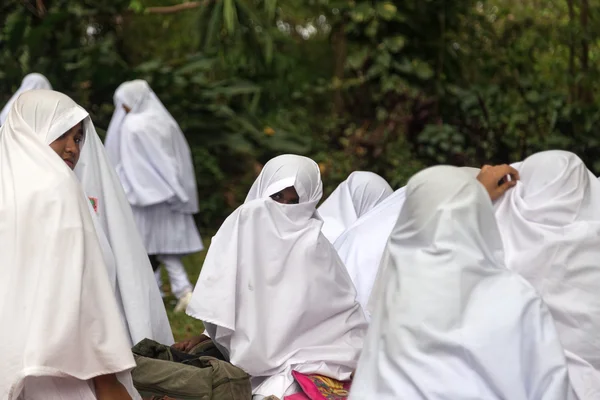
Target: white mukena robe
{"points": [[154, 163]]}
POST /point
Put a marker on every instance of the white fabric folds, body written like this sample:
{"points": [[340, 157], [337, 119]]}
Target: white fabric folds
{"points": [[550, 225], [142, 303], [453, 322], [58, 311], [350, 200], [150, 151], [30, 82], [274, 288], [361, 246], [155, 167]]}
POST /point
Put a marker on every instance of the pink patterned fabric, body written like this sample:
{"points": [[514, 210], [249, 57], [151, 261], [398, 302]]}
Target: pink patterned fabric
{"points": [[317, 387]]}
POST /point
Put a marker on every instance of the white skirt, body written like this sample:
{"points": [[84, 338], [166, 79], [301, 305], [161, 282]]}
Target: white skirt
{"points": [[165, 231]]}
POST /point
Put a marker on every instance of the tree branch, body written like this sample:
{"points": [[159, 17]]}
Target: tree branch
{"points": [[189, 5], [41, 9], [31, 8]]}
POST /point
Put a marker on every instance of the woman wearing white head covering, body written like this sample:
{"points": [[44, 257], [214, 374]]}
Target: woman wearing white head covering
{"points": [[30, 82], [350, 200], [154, 164], [62, 333], [361, 246], [129, 268], [550, 225], [273, 292], [453, 322]]}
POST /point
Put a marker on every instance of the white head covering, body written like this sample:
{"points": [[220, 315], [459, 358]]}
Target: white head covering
{"points": [[350, 200], [275, 287], [361, 246], [453, 322], [149, 151], [387, 221], [136, 286], [550, 224], [59, 313], [30, 82]]}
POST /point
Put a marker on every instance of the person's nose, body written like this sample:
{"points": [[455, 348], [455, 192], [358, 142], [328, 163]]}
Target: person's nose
{"points": [[72, 146]]}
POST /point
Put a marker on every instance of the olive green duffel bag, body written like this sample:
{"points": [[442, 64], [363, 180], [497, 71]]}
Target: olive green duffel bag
{"points": [[163, 371]]}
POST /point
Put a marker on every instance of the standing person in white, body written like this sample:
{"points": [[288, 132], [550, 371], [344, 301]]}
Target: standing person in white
{"points": [[63, 336], [452, 323], [154, 163], [550, 225], [30, 82]]}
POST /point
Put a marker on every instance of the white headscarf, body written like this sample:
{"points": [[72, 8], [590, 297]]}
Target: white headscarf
{"points": [[453, 322], [361, 246], [149, 151], [30, 82], [275, 287], [550, 224], [350, 200], [58, 311], [136, 286]]}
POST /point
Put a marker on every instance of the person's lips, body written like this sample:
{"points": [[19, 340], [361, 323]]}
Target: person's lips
{"points": [[70, 163]]}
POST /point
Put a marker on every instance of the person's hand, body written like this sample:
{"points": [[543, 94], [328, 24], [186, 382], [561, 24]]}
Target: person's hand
{"points": [[493, 178], [189, 344]]}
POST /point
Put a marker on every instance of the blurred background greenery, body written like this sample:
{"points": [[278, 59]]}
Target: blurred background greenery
{"points": [[388, 86]]}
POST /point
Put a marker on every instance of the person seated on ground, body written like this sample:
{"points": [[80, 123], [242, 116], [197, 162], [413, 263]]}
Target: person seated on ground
{"points": [[273, 294], [353, 198], [66, 338], [30, 82], [361, 246], [452, 322], [550, 226]]}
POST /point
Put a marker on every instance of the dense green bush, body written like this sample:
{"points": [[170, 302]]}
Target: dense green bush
{"points": [[388, 86]]}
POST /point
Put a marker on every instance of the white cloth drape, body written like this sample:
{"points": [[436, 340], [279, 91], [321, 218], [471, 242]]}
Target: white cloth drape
{"points": [[379, 284], [141, 301], [30, 82], [350, 200], [58, 311], [453, 323], [550, 225], [361, 246], [273, 290], [155, 167], [158, 165]]}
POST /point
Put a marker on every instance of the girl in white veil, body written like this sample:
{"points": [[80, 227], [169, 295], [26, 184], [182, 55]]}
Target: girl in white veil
{"points": [[451, 321], [273, 294], [154, 164], [126, 260], [550, 225], [63, 335], [353, 198]]}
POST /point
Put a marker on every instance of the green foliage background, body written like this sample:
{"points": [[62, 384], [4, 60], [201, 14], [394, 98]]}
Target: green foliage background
{"points": [[387, 86]]}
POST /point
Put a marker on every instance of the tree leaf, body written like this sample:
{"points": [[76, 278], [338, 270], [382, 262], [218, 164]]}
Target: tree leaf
{"points": [[230, 15]]}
